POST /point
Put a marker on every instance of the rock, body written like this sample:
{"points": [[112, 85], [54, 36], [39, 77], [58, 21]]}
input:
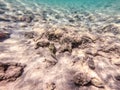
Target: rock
{"points": [[57, 16], [97, 83], [13, 72], [2, 5], [26, 18], [4, 35], [78, 17], [1, 76], [112, 48], [92, 52], [91, 18], [116, 63], [42, 43], [54, 35], [76, 40], [2, 11], [117, 21], [30, 35], [86, 39], [10, 71], [66, 47], [71, 20], [23, 24], [52, 48], [50, 86], [117, 77], [91, 63], [4, 19], [44, 15], [81, 79], [50, 62], [111, 29], [67, 39], [29, 19]]}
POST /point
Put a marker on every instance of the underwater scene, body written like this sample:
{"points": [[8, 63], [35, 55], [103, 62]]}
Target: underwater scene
{"points": [[59, 44]]}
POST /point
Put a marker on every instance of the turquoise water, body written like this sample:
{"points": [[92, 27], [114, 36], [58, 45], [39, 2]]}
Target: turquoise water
{"points": [[89, 13], [104, 6]]}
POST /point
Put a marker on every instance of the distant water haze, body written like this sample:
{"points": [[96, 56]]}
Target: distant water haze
{"points": [[102, 6], [108, 6]]}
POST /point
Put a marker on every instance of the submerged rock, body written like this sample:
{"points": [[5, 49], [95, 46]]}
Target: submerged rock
{"points": [[3, 19], [26, 18], [2, 11], [54, 35], [96, 82], [91, 49], [111, 29], [71, 20], [66, 47], [2, 5], [50, 61], [42, 43], [91, 63], [30, 35], [50, 86], [10, 71], [52, 48], [81, 79], [117, 77], [117, 21], [4, 35]]}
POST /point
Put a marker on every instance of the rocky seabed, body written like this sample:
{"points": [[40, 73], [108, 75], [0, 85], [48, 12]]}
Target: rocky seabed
{"points": [[46, 49]]}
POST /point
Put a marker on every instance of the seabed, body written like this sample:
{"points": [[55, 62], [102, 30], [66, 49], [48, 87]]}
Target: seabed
{"points": [[59, 45]]}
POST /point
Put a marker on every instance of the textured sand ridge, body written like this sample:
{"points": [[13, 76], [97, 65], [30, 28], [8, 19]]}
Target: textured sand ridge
{"points": [[38, 52]]}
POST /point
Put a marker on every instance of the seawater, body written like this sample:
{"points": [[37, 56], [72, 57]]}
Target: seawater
{"points": [[104, 6], [101, 6], [88, 13]]}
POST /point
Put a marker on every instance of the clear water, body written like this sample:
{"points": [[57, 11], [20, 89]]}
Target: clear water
{"points": [[104, 6], [88, 13]]}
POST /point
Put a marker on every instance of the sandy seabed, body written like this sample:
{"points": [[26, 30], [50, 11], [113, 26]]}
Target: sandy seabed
{"points": [[46, 49]]}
